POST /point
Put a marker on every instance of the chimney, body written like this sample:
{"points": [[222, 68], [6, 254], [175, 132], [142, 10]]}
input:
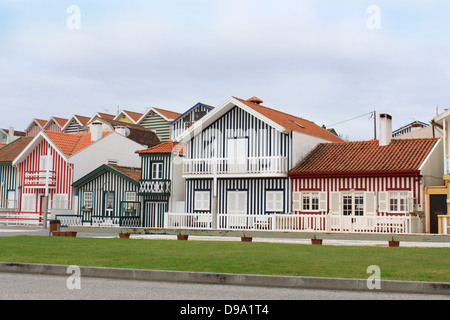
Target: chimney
{"points": [[11, 136], [255, 100], [123, 130], [96, 129], [385, 129]]}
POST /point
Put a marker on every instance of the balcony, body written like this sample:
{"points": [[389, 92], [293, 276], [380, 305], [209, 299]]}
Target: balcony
{"points": [[274, 165], [154, 187], [39, 179]]}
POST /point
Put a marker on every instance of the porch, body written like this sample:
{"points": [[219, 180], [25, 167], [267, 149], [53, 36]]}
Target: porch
{"points": [[403, 224]]}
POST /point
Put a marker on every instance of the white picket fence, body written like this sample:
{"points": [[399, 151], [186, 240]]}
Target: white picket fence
{"points": [[292, 222], [21, 219]]}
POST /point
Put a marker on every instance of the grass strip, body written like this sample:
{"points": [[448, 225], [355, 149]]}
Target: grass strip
{"points": [[402, 263]]}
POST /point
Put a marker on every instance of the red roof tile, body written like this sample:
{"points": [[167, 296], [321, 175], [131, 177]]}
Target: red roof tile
{"points": [[168, 114], [402, 155], [133, 173], [70, 143], [166, 147], [291, 122], [10, 151]]}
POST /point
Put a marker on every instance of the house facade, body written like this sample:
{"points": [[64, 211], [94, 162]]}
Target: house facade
{"points": [[159, 121], [366, 186], [187, 119], [437, 196], [52, 161], [75, 124], [35, 127], [161, 185], [55, 124], [107, 195], [8, 174], [237, 161]]}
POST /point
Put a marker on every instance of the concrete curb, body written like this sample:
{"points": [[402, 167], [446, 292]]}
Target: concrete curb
{"points": [[439, 288]]}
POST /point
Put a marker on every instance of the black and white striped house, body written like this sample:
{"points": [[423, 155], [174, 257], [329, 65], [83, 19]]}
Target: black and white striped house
{"points": [[237, 161], [187, 119], [107, 196], [161, 185]]}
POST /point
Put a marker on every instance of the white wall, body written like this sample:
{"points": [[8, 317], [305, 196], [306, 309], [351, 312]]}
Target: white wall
{"points": [[302, 145], [112, 147]]}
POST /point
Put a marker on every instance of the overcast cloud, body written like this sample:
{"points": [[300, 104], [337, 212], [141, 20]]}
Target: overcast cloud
{"points": [[315, 59]]}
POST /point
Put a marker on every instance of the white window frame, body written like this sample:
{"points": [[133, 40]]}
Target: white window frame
{"points": [[60, 201], [29, 202], [157, 170], [357, 205], [399, 200], [88, 199], [130, 196], [202, 200], [274, 201]]}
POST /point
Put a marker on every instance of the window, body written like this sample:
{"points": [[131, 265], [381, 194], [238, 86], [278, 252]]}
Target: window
{"points": [[201, 201], [310, 201], [87, 199], [29, 203], [157, 171], [45, 161], [198, 115], [353, 204], [274, 201], [398, 202], [60, 201], [130, 196]]}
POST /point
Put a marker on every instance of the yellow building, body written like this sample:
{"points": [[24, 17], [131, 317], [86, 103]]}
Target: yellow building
{"points": [[437, 198]]}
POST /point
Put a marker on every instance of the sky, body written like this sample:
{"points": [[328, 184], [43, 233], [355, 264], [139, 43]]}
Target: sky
{"points": [[325, 61]]}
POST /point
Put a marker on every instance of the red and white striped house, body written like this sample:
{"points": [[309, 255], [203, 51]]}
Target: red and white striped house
{"points": [[52, 161], [365, 186]]}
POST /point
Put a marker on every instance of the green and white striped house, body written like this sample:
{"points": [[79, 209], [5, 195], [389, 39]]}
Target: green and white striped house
{"points": [[160, 122], [109, 194], [8, 173], [161, 184]]}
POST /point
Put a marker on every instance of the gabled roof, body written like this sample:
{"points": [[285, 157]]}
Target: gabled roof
{"points": [[39, 122], [10, 151], [82, 121], [16, 133], [130, 174], [279, 120], [165, 114], [190, 109], [166, 147], [70, 143], [134, 116], [359, 157], [138, 133], [61, 122]]}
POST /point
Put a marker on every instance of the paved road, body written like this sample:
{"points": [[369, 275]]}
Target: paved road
{"points": [[44, 287]]}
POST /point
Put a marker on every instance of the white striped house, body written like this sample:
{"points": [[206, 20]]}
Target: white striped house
{"points": [[75, 124], [238, 157], [109, 191], [159, 121], [361, 183], [35, 127], [161, 184], [55, 124], [187, 119]]}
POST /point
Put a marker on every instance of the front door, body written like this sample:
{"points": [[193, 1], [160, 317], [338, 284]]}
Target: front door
{"points": [[438, 206], [109, 204], [154, 214], [237, 210]]}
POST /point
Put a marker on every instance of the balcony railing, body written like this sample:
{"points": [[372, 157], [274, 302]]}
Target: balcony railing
{"points": [[157, 187], [38, 179], [245, 165]]}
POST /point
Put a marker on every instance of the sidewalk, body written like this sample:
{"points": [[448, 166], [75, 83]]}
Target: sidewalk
{"points": [[6, 231]]}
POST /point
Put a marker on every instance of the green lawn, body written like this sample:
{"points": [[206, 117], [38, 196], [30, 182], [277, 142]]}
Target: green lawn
{"points": [[424, 264]]}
